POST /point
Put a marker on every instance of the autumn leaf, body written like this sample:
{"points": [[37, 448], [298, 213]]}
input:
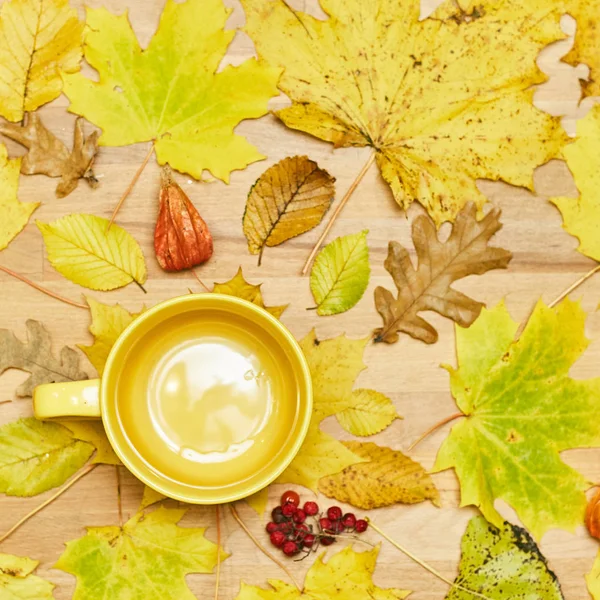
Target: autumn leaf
{"points": [[239, 287], [442, 101], [258, 501], [36, 456], [388, 478], [18, 582], [503, 564], [593, 579], [288, 199], [369, 413], [93, 432], [340, 274], [170, 92], [522, 409], [150, 497], [580, 215], [108, 323], [428, 287], [13, 214], [35, 356], [148, 557], [49, 156], [347, 576], [80, 248], [38, 39]]}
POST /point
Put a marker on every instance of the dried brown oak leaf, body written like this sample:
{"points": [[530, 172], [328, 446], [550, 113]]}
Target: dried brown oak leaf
{"points": [[35, 356], [465, 252], [49, 156]]}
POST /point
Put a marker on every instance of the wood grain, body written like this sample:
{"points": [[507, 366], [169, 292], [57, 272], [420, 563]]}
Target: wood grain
{"points": [[545, 263]]}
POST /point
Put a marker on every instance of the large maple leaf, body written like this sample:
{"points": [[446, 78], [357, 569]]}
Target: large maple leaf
{"points": [[442, 101], [522, 409], [170, 92]]}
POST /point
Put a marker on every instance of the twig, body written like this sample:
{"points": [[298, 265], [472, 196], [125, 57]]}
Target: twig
{"points": [[218, 517], [5, 401], [39, 288], [130, 187], [573, 287], [52, 498], [119, 502], [200, 280], [260, 547], [337, 212], [424, 564], [435, 428]]}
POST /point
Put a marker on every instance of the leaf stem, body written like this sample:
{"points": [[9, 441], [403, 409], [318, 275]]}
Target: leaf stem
{"points": [[119, 501], [423, 564], [5, 401], [260, 547], [574, 286], [130, 186], [260, 254], [218, 518], [141, 286], [200, 280], [52, 498], [337, 212], [39, 288], [435, 428]]}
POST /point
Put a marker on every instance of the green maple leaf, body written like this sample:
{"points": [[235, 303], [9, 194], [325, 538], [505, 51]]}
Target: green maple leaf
{"points": [[522, 410], [17, 581], [503, 564], [170, 91], [148, 557]]}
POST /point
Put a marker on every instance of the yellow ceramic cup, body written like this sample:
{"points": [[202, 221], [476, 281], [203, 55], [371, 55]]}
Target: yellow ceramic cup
{"points": [[205, 398]]}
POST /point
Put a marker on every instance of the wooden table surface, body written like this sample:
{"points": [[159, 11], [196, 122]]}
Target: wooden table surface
{"points": [[545, 263]]}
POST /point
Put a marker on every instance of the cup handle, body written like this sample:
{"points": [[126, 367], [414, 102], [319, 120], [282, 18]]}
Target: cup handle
{"points": [[75, 400]]}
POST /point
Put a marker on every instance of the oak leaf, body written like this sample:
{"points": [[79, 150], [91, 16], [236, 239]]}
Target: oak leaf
{"points": [[17, 581], [93, 432], [388, 478], [580, 215], [288, 199], [522, 410], [38, 39], [13, 214], [148, 557], [84, 250], [170, 92], [35, 356], [36, 456], [340, 274], [369, 413], [428, 287], [502, 563], [49, 156], [348, 575], [443, 101]]}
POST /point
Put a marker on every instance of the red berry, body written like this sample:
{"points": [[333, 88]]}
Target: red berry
{"points": [[290, 548], [327, 541], [290, 497], [311, 508], [338, 527], [277, 538], [334, 513], [326, 524], [288, 509], [272, 527], [299, 516], [277, 515], [286, 527], [309, 540], [361, 526], [302, 529], [349, 521]]}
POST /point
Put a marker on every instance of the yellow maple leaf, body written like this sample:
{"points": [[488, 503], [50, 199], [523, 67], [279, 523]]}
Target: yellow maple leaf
{"points": [[258, 501], [93, 432], [347, 576], [443, 101], [580, 215], [38, 38], [169, 92], [15, 214]]}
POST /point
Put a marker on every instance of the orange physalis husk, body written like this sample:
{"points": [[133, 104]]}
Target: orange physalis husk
{"points": [[592, 516], [181, 238]]}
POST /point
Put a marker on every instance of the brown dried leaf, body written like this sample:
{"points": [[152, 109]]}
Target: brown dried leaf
{"points": [[35, 356], [49, 156], [466, 252]]}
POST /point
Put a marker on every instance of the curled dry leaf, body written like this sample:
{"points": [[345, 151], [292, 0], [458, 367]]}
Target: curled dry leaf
{"points": [[49, 156], [592, 516], [287, 200], [428, 287], [17, 580]]}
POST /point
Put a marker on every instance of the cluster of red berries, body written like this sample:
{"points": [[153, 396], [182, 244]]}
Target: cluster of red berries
{"points": [[290, 531]]}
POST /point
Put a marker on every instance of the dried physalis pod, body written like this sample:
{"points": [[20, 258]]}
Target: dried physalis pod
{"points": [[592, 516], [181, 238]]}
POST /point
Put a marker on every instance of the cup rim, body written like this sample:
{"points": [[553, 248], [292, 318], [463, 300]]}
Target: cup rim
{"points": [[160, 483]]}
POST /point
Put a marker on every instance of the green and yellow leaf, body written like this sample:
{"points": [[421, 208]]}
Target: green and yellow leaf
{"points": [[593, 579], [369, 413], [93, 432], [150, 497], [17, 581]]}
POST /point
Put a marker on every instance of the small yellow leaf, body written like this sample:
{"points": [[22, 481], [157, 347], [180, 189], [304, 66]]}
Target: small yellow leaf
{"points": [[93, 432], [150, 497], [80, 248], [389, 477], [13, 214], [370, 413], [38, 38], [17, 581], [287, 200], [258, 502]]}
